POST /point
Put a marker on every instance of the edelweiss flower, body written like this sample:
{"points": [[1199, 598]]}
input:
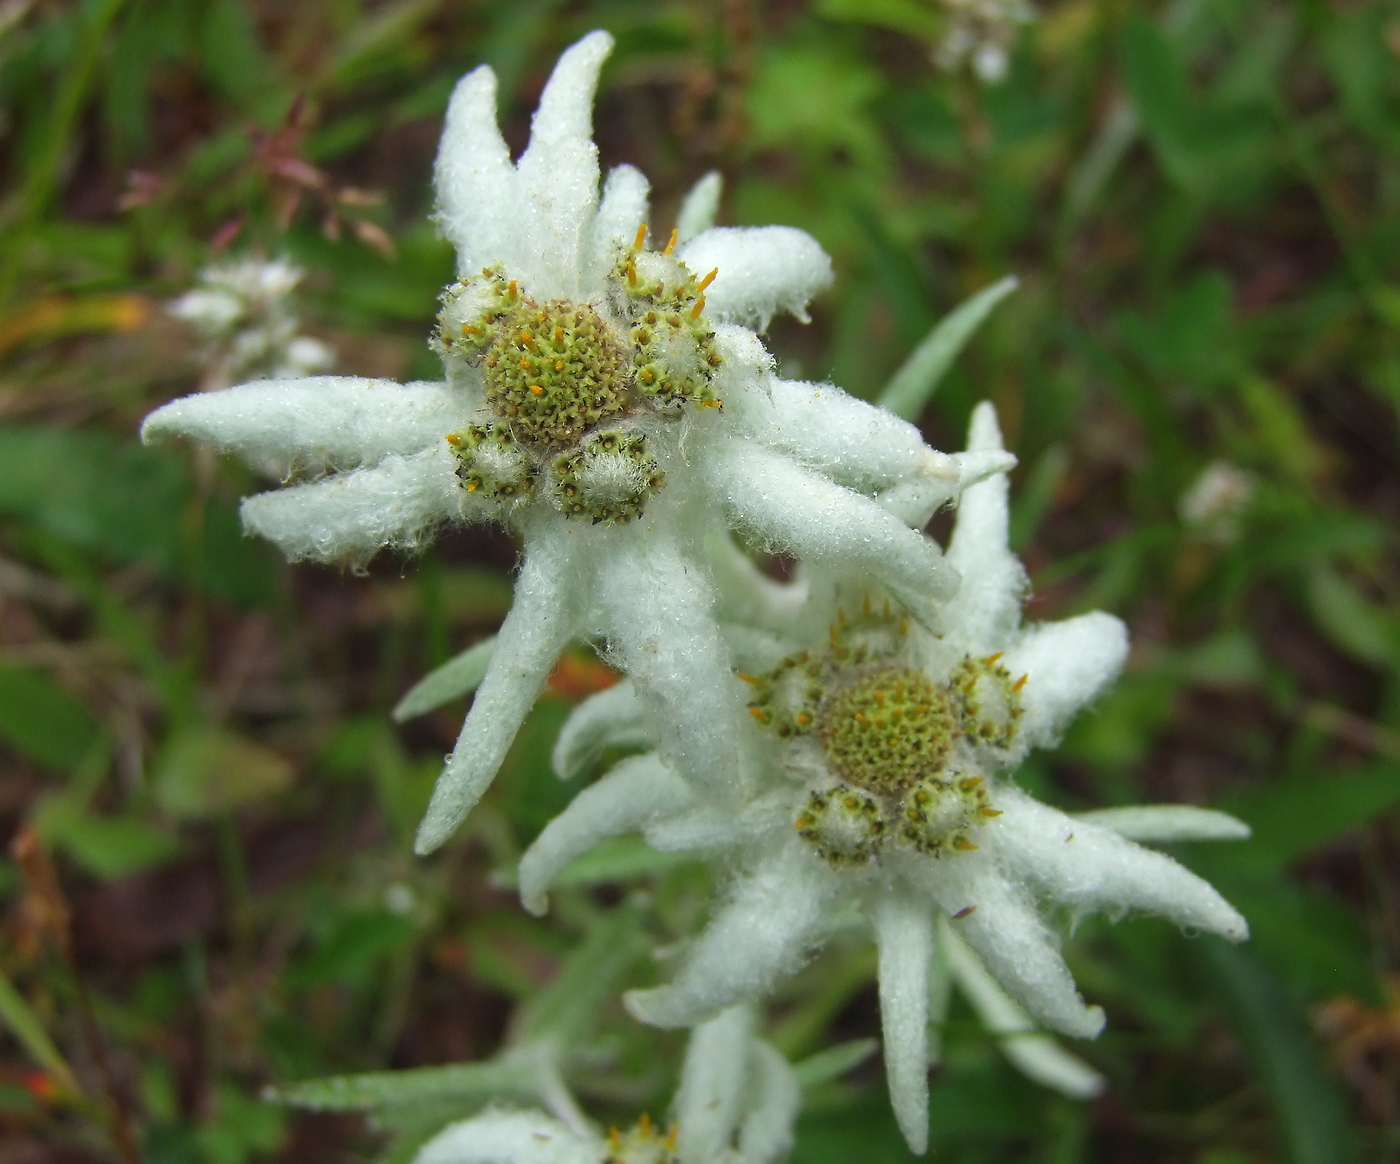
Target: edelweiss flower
{"points": [[605, 400], [243, 311], [891, 751], [736, 1104]]}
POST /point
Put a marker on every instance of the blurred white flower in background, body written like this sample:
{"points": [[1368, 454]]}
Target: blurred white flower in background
{"points": [[982, 33], [244, 311], [1217, 500]]}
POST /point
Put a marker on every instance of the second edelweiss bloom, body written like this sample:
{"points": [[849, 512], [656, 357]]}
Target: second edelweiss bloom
{"points": [[889, 752], [606, 399]]}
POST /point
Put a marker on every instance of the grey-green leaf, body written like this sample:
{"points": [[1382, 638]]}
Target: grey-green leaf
{"points": [[459, 676], [913, 385], [467, 1083]]}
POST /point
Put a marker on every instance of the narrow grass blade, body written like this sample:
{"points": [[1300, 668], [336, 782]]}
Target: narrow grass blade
{"points": [[911, 387], [24, 1024], [1308, 1108], [459, 676], [467, 1083], [833, 1062]]}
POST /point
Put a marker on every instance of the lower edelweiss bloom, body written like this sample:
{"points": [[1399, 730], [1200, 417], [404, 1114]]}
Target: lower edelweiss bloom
{"points": [[891, 752], [736, 1104], [608, 402]]}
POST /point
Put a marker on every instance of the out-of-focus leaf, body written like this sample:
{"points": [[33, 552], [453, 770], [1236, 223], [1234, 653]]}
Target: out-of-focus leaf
{"points": [[21, 1021], [352, 945], [907, 16], [109, 846], [1363, 629], [207, 772], [1290, 817], [569, 1007], [42, 720], [833, 1062], [457, 677], [1309, 1111], [376, 1090], [914, 383], [1037, 495]]}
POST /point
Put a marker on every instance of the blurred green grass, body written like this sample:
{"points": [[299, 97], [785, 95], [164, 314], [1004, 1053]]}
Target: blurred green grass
{"points": [[1202, 203]]}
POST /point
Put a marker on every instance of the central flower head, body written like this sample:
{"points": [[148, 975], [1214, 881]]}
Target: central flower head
{"points": [[900, 751], [888, 729], [554, 371], [644, 1143], [568, 382]]}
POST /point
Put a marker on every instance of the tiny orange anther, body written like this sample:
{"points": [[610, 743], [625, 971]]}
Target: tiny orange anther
{"points": [[712, 403], [640, 240], [631, 273], [471, 486], [759, 714], [670, 243], [988, 811], [747, 678], [468, 329], [698, 308], [708, 279], [453, 439], [536, 390], [525, 364], [964, 844], [512, 291], [990, 660], [644, 1124], [558, 365], [1021, 682]]}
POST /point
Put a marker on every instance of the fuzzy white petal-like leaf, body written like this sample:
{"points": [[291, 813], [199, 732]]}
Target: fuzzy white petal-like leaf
{"points": [[762, 270], [1067, 664], [773, 1101], [542, 620], [700, 207], [621, 212], [478, 206], [398, 503], [510, 1137], [636, 790], [904, 937], [611, 718], [1006, 929], [1034, 1053], [760, 935], [1087, 867], [314, 422], [656, 607], [712, 1085], [792, 509], [850, 440], [1168, 823], [558, 172]]}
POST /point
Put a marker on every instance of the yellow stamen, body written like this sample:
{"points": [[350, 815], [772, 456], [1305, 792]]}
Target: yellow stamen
{"points": [[536, 390], [631, 273], [644, 1124], [698, 308], [990, 660], [525, 364], [512, 292], [468, 329], [670, 244], [471, 486], [964, 844], [453, 439], [1021, 682], [708, 279], [988, 811], [759, 714], [747, 678], [712, 404], [640, 240]]}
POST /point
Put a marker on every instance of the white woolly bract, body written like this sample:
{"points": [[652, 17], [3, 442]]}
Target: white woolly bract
{"points": [[762, 270], [1165, 823], [1068, 663], [611, 718], [700, 208], [761, 934], [1034, 1053], [400, 502], [510, 1137], [316, 422], [904, 938], [1088, 868], [624, 800]]}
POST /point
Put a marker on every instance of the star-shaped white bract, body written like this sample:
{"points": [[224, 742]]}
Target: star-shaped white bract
{"points": [[609, 403], [736, 1104], [889, 752]]}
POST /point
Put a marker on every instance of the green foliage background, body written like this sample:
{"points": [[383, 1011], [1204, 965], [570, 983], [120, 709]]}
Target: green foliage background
{"points": [[1202, 201]]}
